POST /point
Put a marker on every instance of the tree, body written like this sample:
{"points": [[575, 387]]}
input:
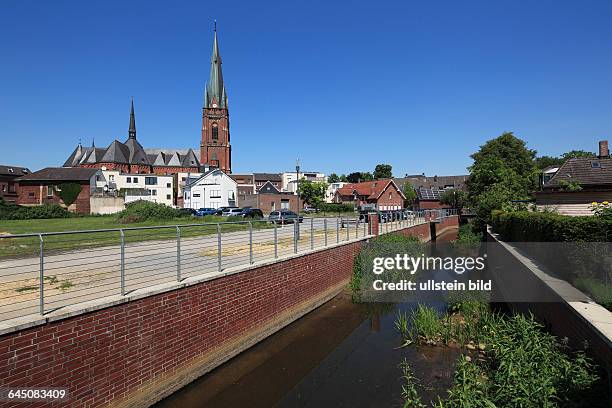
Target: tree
{"points": [[577, 153], [359, 176], [455, 198], [383, 171], [333, 178], [312, 192], [504, 170], [545, 161], [343, 178], [410, 195]]}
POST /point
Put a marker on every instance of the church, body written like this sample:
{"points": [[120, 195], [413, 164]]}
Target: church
{"points": [[132, 158]]}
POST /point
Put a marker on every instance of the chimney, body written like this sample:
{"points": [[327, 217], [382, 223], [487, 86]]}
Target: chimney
{"points": [[603, 149]]}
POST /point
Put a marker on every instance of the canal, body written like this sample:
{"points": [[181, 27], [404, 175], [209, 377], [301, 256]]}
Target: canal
{"points": [[341, 354]]}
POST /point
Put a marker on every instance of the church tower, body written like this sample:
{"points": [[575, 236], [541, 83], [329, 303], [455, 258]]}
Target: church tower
{"points": [[215, 148]]}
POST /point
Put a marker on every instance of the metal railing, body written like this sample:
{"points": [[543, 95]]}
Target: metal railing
{"points": [[40, 273]]}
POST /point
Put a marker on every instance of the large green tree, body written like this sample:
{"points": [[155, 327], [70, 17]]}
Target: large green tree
{"points": [[503, 171], [455, 198], [545, 161], [312, 192], [333, 178], [410, 194], [383, 171], [359, 176]]}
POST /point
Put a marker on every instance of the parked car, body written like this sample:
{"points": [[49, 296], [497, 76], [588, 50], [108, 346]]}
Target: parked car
{"points": [[200, 212], [221, 209], [348, 221], [229, 212], [187, 211], [284, 217], [251, 213], [310, 210]]}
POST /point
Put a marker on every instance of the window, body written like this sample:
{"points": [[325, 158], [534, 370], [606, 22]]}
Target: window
{"points": [[168, 185], [135, 179], [150, 181], [215, 193], [49, 191], [128, 180], [215, 132], [30, 194], [111, 177], [196, 195], [167, 196], [595, 164], [284, 204], [154, 192], [273, 206]]}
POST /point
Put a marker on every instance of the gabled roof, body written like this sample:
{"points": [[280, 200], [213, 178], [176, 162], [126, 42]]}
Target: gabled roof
{"points": [[268, 188], [195, 180], [267, 177], [13, 171], [61, 174], [190, 159], [116, 152], [585, 170], [137, 154], [369, 189]]}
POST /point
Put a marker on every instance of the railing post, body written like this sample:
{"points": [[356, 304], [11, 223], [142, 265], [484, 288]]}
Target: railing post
{"points": [[348, 227], [295, 236], [357, 227], [178, 254], [42, 275], [365, 226], [337, 230], [325, 229], [122, 262], [312, 233], [219, 261], [275, 240], [250, 242]]}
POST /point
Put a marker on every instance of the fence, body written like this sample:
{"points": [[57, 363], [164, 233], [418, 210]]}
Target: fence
{"points": [[40, 273]]}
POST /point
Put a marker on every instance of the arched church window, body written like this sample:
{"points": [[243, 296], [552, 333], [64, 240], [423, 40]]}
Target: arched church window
{"points": [[215, 132]]}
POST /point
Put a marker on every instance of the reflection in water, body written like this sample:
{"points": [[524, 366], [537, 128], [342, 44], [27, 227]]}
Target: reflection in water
{"points": [[342, 355]]}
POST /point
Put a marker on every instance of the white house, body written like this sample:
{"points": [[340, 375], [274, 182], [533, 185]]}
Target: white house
{"points": [[134, 187], [289, 179], [213, 189], [331, 191]]}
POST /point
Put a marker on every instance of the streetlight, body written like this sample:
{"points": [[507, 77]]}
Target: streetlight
{"points": [[297, 191]]}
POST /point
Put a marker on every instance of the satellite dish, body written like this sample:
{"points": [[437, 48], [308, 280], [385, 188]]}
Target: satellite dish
{"points": [[106, 187]]}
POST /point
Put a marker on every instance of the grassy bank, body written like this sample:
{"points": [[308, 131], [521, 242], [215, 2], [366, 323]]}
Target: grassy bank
{"points": [[508, 361]]}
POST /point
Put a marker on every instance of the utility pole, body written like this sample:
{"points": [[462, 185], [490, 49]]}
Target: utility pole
{"points": [[297, 191]]}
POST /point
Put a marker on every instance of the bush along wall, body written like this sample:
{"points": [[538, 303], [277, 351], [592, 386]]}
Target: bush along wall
{"points": [[576, 249], [10, 211]]}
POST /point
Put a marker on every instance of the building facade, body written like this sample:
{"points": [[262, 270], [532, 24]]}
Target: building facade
{"points": [[8, 186], [211, 190], [289, 179], [133, 187], [269, 198], [383, 195]]}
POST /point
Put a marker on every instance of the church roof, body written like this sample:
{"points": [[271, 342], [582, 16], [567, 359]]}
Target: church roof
{"points": [[116, 152]]}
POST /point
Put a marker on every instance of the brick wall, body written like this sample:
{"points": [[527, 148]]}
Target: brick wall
{"points": [[135, 353], [31, 195]]}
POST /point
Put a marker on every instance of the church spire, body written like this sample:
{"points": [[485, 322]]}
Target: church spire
{"points": [[132, 129], [214, 94]]}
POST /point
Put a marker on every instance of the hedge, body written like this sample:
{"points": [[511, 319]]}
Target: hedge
{"points": [[524, 226], [336, 207], [10, 211], [140, 210]]}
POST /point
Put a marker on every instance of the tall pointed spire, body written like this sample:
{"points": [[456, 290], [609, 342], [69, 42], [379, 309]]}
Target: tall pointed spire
{"points": [[132, 129], [214, 94]]}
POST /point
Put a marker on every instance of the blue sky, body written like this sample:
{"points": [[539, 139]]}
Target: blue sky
{"points": [[343, 85]]}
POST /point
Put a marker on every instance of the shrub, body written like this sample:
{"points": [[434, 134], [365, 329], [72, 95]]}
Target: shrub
{"points": [[139, 211], [69, 192], [17, 212]]}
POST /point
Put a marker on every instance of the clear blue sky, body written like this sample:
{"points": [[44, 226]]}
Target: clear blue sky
{"points": [[343, 85]]}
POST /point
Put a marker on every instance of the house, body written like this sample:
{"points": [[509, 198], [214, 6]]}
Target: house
{"points": [[289, 179], [44, 187], [380, 194], [577, 183], [134, 187], [433, 182], [213, 189], [269, 198], [262, 178], [429, 198], [331, 191], [8, 188], [246, 185]]}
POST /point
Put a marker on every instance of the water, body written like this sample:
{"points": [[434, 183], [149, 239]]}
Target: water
{"points": [[341, 355]]}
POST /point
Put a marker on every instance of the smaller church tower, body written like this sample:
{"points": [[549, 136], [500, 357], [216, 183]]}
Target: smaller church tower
{"points": [[215, 148]]}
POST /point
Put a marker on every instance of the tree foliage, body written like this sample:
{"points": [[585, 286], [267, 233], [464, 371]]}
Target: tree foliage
{"points": [[545, 161], [359, 176], [455, 198], [383, 171], [410, 194], [333, 178], [69, 192], [312, 192]]}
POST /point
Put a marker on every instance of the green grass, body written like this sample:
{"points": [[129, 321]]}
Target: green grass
{"points": [[509, 361], [29, 246]]}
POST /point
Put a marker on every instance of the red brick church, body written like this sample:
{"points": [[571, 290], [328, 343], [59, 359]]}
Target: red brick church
{"points": [[131, 157]]}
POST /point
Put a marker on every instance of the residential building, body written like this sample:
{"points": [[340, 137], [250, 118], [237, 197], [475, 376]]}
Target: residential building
{"points": [[8, 187], [245, 185], [269, 198], [130, 157], [429, 198], [44, 187], [289, 179], [134, 187], [262, 178], [213, 189], [433, 182], [331, 191], [378, 194], [577, 183]]}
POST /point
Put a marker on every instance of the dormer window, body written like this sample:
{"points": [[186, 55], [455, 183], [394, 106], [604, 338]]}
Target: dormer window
{"points": [[595, 165]]}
